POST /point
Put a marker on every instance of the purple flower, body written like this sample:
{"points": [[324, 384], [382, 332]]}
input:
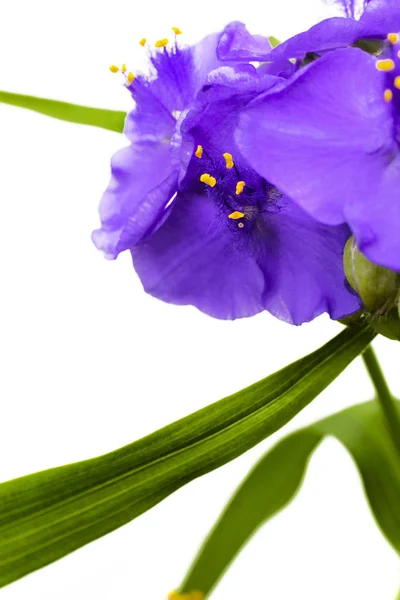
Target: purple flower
{"points": [[378, 18], [330, 140], [202, 226]]}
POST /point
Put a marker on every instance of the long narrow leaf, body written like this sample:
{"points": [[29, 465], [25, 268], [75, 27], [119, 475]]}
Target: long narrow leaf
{"points": [[274, 481], [46, 515], [74, 113]]}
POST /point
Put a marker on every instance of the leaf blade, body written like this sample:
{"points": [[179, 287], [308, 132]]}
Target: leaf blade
{"points": [[112, 120], [49, 514], [361, 429]]}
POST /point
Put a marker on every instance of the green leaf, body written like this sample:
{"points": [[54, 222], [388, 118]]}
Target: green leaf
{"points": [[74, 113], [273, 41], [274, 481], [49, 514]]}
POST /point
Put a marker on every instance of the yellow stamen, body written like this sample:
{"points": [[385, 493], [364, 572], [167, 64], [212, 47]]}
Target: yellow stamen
{"points": [[161, 43], [241, 225], [114, 69], [130, 77], [196, 595], [393, 38], [388, 95], [228, 160], [386, 64], [123, 68], [208, 179], [199, 151], [397, 82], [173, 595], [143, 42], [236, 215], [176, 30], [239, 187]]}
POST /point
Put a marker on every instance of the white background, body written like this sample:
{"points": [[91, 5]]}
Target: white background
{"points": [[91, 363]]}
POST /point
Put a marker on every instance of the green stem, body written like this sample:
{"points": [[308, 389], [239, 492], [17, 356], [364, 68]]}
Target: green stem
{"points": [[384, 396]]}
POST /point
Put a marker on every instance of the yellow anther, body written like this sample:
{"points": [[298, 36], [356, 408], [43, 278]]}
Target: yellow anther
{"points": [[386, 64], [208, 179], [114, 69], [130, 77], [143, 42], [397, 82], [239, 187], [123, 68], [388, 95], [236, 215], [228, 160], [176, 30], [199, 151], [393, 38], [173, 595], [241, 225], [161, 43], [196, 595]]}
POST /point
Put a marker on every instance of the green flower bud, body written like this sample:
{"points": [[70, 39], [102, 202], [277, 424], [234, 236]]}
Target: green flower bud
{"points": [[377, 286]]}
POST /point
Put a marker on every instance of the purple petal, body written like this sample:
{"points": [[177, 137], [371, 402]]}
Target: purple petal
{"points": [[150, 120], [324, 140], [194, 258], [237, 44], [375, 219], [303, 263], [329, 34], [134, 203], [381, 17], [191, 260]]}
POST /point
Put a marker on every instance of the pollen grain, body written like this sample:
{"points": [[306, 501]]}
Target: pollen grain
{"points": [[235, 215], [208, 179], [161, 43], [228, 160], [388, 95], [239, 187], [393, 38], [385, 64]]}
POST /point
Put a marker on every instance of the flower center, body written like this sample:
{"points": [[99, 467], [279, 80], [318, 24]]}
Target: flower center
{"points": [[240, 193]]}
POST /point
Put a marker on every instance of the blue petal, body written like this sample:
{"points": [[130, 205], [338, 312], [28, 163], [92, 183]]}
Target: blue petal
{"points": [[381, 17], [329, 34], [325, 139], [134, 203], [191, 260], [237, 44]]}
